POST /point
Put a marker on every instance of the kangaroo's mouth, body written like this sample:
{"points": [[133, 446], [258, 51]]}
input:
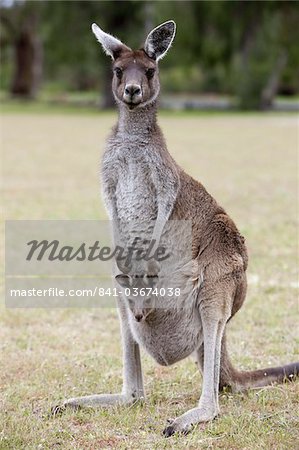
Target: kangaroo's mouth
{"points": [[132, 105]]}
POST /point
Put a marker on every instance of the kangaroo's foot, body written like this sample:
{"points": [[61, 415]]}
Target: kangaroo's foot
{"points": [[95, 401], [184, 423]]}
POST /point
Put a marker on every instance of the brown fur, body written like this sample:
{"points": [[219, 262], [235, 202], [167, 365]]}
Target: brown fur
{"points": [[141, 181], [217, 243]]}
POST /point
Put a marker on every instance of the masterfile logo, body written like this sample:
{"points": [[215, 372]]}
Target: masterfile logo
{"points": [[73, 263]]}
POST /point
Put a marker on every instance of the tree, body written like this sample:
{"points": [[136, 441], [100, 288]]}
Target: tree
{"points": [[265, 46], [21, 21], [72, 51], [246, 49]]}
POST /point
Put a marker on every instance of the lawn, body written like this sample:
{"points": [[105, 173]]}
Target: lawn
{"points": [[51, 171]]}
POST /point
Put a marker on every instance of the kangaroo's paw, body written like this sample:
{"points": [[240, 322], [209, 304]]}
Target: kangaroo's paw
{"points": [[184, 423], [94, 401]]}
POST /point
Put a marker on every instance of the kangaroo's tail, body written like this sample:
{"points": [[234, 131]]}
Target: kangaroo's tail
{"points": [[238, 380]]}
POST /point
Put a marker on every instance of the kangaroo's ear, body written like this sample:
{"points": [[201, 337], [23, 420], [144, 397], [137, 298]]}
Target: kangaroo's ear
{"points": [[111, 45], [159, 40], [123, 280]]}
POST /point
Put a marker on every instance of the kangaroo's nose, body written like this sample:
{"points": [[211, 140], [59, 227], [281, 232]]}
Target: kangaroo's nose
{"points": [[132, 89], [138, 317]]}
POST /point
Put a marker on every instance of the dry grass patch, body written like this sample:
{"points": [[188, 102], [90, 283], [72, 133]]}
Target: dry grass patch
{"points": [[51, 171]]}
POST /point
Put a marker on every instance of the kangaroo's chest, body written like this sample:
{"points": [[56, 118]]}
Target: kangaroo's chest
{"points": [[135, 191], [170, 336]]}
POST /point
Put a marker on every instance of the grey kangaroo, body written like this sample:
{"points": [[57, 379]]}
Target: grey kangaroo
{"points": [[141, 181]]}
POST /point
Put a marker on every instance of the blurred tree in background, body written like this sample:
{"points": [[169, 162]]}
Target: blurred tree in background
{"points": [[20, 33], [245, 49]]}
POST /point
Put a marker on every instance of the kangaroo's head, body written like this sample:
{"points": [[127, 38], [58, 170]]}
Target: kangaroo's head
{"points": [[135, 72], [138, 288], [138, 294]]}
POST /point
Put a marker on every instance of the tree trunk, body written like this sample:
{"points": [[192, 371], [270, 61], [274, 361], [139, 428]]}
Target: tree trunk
{"points": [[148, 16], [121, 17], [28, 61], [272, 85]]}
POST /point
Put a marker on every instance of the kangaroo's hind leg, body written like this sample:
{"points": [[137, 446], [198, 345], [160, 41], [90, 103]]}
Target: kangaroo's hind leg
{"points": [[215, 309]]}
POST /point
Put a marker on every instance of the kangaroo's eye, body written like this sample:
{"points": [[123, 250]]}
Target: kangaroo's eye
{"points": [[118, 72], [150, 73]]}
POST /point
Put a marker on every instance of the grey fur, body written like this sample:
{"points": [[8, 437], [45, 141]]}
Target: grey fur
{"points": [[142, 182]]}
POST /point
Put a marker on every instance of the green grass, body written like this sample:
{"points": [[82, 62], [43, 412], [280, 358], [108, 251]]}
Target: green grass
{"points": [[51, 171]]}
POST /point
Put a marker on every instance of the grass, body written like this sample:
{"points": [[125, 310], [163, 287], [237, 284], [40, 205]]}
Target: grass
{"points": [[51, 171]]}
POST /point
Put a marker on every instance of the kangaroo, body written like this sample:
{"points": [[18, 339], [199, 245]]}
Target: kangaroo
{"points": [[141, 181]]}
